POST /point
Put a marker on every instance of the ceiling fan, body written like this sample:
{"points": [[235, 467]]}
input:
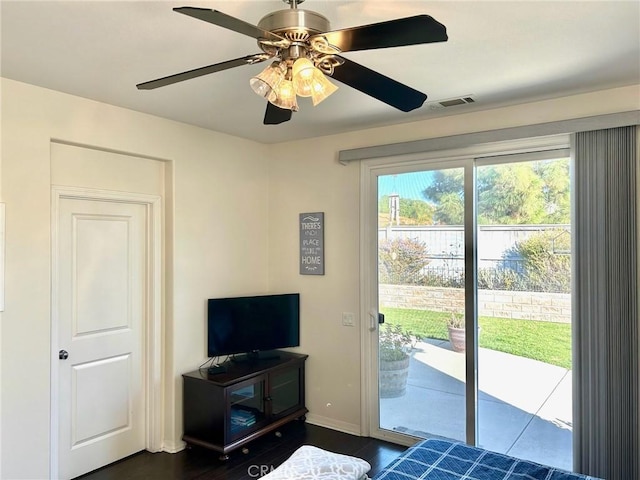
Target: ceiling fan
{"points": [[305, 52]]}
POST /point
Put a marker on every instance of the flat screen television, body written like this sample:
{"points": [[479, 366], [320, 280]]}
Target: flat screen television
{"points": [[252, 326]]}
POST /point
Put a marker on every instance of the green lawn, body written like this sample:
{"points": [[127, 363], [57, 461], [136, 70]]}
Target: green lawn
{"points": [[544, 341]]}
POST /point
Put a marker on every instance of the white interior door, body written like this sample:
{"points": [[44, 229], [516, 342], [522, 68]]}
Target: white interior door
{"points": [[101, 275]]}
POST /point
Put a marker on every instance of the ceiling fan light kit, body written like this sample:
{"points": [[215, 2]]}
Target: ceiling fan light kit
{"points": [[322, 88], [284, 96], [267, 81], [304, 73], [307, 53]]}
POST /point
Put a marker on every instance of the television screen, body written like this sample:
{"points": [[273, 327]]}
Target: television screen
{"points": [[252, 324]]}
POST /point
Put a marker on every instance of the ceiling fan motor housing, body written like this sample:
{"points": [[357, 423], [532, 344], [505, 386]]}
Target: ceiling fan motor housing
{"points": [[297, 26], [292, 20]]}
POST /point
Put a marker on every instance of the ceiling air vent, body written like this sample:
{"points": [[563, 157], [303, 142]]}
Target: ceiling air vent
{"points": [[451, 102]]}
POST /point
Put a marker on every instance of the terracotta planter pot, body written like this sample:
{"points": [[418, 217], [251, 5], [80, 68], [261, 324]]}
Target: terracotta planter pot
{"points": [[457, 339], [393, 377]]}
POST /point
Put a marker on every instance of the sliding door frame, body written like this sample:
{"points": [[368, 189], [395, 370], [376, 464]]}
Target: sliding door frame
{"points": [[467, 158], [370, 172], [471, 301]]}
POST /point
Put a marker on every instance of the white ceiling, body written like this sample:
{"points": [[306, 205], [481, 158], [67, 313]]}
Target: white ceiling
{"points": [[499, 52]]}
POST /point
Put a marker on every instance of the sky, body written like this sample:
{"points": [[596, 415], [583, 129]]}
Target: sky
{"points": [[407, 185]]}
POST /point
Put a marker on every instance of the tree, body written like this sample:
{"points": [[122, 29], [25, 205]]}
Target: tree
{"points": [[450, 209], [412, 211], [555, 177], [419, 211], [446, 194], [508, 194], [383, 204]]}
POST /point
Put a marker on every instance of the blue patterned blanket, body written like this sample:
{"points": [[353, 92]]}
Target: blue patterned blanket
{"points": [[444, 460]]}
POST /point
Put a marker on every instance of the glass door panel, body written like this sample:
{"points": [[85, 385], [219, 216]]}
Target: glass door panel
{"points": [[421, 271], [246, 407], [285, 390], [524, 309]]}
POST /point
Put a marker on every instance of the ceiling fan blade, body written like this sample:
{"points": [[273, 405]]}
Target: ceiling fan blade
{"points": [[378, 86], [394, 33], [276, 115], [227, 21], [198, 72]]}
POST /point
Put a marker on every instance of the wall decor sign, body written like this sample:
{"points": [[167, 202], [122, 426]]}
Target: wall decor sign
{"points": [[312, 243]]}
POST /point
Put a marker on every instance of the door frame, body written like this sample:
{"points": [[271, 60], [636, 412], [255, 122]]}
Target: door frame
{"points": [[468, 157], [369, 172], [152, 321]]}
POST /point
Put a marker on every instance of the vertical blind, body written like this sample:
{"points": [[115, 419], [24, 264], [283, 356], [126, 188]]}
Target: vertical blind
{"points": [[605, 312]]}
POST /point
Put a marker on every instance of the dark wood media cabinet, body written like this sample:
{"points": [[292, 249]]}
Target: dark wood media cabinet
{"points": [[225, 411]]}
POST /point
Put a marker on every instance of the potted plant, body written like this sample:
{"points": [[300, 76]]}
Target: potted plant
{"points": [[455, 326], [395, 345], [457, 335]]}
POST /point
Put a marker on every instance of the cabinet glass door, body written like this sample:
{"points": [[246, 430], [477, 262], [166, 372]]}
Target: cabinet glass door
{"points": [[285, 390], [246, 402]]}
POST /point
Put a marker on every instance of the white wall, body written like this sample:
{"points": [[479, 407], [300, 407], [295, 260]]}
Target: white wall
{"points": [[306, 177], [222, 192], [206, 171]]}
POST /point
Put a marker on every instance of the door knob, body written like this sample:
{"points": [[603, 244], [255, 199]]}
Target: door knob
{"points": [[63, 354]]}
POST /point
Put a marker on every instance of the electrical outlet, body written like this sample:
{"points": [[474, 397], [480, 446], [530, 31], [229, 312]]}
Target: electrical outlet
{"points": [[348, 319]]}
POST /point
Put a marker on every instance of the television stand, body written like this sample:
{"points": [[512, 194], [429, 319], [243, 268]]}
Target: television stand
{"points": [[225, 411], [256, 356]]}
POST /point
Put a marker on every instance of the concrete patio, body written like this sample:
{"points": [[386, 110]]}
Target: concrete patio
{"points": [[524, 404]]}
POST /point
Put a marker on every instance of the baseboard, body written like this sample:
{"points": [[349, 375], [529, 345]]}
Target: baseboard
{"points": [[333, 424], [320, 421], [173, 447]]}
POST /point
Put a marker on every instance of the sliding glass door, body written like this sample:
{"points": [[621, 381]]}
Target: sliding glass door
{"points": [[524, 307], [421, 272], [472, 340]]}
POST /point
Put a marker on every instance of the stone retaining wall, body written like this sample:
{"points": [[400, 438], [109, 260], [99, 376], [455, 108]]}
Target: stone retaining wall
{"points": [[547, 307]]}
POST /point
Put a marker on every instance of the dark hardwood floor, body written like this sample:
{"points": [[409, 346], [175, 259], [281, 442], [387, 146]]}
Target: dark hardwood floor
{"points": [[263, 455]]}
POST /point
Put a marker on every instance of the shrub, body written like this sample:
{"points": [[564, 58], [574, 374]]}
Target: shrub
{"points": [[395, 343], [449, 278], [401, 261], [501, 279], [546, 262], [541, 263]]}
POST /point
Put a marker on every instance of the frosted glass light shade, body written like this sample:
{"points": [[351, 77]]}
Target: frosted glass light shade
{"points": [[304, 72], [284, 96], [268, 80], [322, 88]]}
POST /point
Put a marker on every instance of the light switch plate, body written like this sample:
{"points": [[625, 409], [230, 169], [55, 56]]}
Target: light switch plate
{"points": [[348, 319]]}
